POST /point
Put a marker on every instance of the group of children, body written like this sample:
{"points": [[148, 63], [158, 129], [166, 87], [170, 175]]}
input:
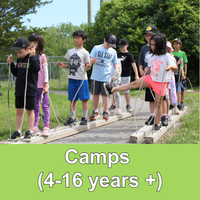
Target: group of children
{"points": [[156, 57]]}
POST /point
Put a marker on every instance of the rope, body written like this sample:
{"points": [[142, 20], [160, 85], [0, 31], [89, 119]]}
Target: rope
{"points": [[9, 97]]}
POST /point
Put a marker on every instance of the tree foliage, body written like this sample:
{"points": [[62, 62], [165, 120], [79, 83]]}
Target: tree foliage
{"points": [[128, 18], [11, 12]]}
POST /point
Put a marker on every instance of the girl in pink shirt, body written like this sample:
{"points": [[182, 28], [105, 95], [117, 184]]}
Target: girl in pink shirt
{"points": [[37, 41]]}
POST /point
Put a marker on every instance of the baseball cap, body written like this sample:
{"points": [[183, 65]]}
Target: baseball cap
{"points": [[177, 40], [20, 43], [170, 46], [150, 29], [111, 40], [122, 42]]}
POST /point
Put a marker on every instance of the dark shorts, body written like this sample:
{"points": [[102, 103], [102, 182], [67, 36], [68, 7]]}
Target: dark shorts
{"points": [[30, 102], [183, 85], [149, 97], [98, 88]]}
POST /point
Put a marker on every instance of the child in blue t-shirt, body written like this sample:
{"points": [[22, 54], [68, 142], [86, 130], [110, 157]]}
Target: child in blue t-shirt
{"points": [[102, 57]]}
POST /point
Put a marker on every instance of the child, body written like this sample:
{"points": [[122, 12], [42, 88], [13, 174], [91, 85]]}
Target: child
{"points": [[143, 63], [116, 81], [36, 40], [78, 62], [177, 44], [28, 60], [127, 60], [159, 61], [172, 82], [104, 56]]}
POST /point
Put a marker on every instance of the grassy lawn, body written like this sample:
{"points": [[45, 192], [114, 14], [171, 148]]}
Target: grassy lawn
{"points": [[188, 131]]}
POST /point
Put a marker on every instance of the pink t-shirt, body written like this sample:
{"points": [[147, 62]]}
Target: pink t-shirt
{"points": [[40, 83]]}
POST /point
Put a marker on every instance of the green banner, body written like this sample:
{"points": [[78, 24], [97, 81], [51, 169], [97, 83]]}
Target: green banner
{"points": [[100, 172]]}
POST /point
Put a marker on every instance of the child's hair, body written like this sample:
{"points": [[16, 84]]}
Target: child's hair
{"points": [[37, 37], [80, 33], [160, 44]]}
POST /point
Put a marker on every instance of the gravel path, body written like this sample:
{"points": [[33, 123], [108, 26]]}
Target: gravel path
{"points": [[115, 133]]}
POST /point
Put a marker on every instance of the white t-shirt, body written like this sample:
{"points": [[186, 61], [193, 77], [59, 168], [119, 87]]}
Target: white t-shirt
{"points": [[77, 60], [105, 57], [158, 64]]}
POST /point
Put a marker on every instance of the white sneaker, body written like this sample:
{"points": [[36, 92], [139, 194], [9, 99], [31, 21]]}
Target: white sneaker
{"points": [[175, 111]]}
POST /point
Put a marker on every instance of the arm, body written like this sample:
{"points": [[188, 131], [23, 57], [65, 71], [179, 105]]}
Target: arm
{"points": [[135, 70], [141, 69], [60, 64], [34, 63], [93, 60], [185, 65], [170, 67], [45, 68], [116, 66]]}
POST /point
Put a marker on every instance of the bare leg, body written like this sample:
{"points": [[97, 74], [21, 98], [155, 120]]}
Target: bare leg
{"points": [[132, 85], [164, 107], [159, 110], [127, 97], [19, 118], [31, 119], [85, 104], [105, 100], [72, 106], [95, 101], [182, 95], [152, 106]]}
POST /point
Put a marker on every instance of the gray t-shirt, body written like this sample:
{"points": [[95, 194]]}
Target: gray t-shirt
{"points": [[77, 60]]}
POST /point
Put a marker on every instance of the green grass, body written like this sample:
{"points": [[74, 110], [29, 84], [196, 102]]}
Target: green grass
{"points": [[188, 131], [63, 111]]}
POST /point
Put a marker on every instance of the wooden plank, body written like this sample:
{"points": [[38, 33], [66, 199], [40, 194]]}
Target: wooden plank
{"points": [[153, 138]]}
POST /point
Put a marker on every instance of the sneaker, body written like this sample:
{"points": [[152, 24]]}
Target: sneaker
{"points": [[164, 121], [171, 106], [169, 118], [94, 116], [15, 135], [1, 94], [182, 106], [45, 132], [83, 121], [118, 112], [128, 108], [150, 121], [108, 88], [112, 107], [105, 115], [175, 111], [179, 107], [157, 127], [28, 136], [70, 122], [36, 130]]}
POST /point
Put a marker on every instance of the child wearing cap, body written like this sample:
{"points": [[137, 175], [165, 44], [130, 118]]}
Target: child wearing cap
{"points": [[28, 60], [177, 44], [127, 61], [143, 61], [102, 57]]}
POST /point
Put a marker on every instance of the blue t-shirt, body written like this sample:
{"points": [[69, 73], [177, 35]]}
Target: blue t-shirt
{"points": [[105, 57]]}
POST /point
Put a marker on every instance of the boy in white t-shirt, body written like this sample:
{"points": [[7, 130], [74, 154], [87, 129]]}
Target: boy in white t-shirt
{"points": [[78, 62]]}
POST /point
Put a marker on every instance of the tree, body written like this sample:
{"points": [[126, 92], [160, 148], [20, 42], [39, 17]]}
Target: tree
{"points": [[11, 12], [128, 18]]}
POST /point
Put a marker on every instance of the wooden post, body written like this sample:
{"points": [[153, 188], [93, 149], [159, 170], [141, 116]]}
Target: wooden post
{"points": [[89, 13]]}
